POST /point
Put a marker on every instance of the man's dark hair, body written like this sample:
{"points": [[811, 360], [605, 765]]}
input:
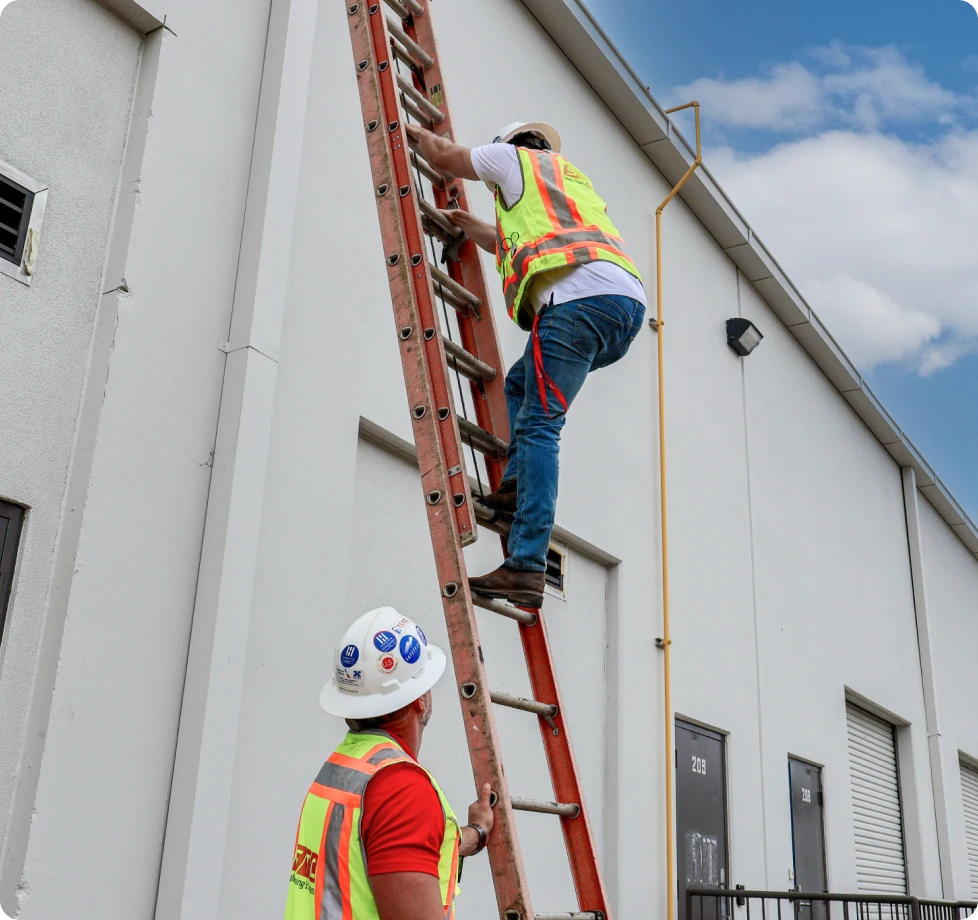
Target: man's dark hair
{"points": [[366, 725], [531, 141]]}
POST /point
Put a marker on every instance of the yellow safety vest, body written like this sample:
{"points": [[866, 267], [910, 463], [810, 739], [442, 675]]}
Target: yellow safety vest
{"points": [[329, 876], [559, 221]]}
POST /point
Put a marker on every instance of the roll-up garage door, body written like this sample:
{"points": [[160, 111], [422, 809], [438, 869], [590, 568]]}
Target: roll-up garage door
{"points": [[969, 796], [881, 866]]}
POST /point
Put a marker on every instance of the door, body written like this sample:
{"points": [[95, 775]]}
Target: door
{"points": [[701, 816], [877, 815], [969, 798], [808, 835]]}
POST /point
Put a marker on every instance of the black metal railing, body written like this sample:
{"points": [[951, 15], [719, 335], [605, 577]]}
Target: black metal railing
{"points": [[720, 904]]}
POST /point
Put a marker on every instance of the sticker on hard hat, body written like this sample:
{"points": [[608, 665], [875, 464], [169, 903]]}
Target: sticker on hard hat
{"points": [[421, 635], [387, 664], [349, 656], [410, 649], [345, 678], [398, 627], [385, 642]]}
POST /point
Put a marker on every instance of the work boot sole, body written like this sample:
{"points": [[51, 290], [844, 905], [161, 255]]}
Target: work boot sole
{"points": [[519, 598]]}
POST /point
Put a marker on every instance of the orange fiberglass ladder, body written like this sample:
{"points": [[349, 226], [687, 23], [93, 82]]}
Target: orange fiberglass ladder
{"points": [[399, 77]]}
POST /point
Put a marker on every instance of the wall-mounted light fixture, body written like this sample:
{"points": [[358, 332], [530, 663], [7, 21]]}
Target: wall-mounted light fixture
{"points": [[743, 336]]}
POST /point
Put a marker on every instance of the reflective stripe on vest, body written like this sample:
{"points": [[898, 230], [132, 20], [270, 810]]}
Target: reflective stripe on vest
{"points": [[329, 877], [559, 221]]}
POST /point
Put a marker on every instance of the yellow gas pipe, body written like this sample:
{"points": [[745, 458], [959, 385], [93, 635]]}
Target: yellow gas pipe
{"points": [[666, 642]]}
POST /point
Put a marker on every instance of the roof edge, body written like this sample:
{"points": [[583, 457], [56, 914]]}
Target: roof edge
{"points": [[576, 32]]}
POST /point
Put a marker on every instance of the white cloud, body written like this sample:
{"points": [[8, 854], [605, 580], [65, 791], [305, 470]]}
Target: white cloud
{"points": [[879, 234], [788, 97], [846, 86]]}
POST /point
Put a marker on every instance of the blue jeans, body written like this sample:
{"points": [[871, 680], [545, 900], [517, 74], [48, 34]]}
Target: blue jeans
{"points": [[576, 338]]}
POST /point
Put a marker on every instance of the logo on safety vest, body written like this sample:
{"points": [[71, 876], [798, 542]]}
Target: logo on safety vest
{"points": [[573, 174], [305, 862]]}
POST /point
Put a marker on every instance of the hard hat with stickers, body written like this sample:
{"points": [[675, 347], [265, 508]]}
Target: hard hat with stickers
{"points": [[383, 663]]}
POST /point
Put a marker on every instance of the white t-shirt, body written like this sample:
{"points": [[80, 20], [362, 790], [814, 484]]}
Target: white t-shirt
{"points": [[499, 165]]}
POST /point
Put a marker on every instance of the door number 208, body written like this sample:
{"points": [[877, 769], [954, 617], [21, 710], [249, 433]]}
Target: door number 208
{"points": [[699, 765], [806, 795]]}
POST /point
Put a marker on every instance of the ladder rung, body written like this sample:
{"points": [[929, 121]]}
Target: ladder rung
{"points": [[465, 297], [505, 610], [491, 519], [414, 6], [467, 363], [587, 915], [436, 178], [431, 212], [398, 8], [415, 51], [481, 439], [428, 111], [517, 702], [547, 808]]}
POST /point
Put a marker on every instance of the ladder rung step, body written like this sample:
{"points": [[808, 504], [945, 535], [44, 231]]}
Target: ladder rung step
{"points": [[428, 111], [518, 702], [431, 212], [436, 178], [505, 610], [461, 294], [587, 915], [398, 8], [467, 363], [481, 439], [414, 6], [491, 519], [417, 54], [547, 808]]}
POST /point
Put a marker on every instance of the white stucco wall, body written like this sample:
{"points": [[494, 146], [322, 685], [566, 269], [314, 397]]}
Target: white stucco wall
{"points": [[67, 71], [952, 602], [835, 604], [100, 808]]}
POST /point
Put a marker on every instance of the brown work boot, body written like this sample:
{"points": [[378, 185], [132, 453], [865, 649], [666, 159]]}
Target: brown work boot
{"points": [[525, 589], [503, 499]]}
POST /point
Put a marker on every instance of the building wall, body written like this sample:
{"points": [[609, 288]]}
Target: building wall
{"points": [[834, 597], [69, 136], [951, 578], [147, 428]]}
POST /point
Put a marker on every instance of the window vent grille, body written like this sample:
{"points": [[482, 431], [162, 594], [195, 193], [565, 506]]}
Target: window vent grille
{"points": [[15, 215], [556, 569]]}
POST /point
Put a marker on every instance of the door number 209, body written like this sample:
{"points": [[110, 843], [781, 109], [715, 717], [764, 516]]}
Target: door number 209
{"points": [[699, 765]]}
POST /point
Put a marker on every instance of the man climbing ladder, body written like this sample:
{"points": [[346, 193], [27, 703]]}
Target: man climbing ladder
{"points": [[568, 280]]}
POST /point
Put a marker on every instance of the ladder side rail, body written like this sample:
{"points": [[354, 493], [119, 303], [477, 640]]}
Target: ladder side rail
{"points": [[478, 330], [423, 362], [404, 242], [578, 838]]}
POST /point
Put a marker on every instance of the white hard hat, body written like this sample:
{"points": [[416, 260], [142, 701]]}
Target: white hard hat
{"points": [[547, 132], [384, 663]]}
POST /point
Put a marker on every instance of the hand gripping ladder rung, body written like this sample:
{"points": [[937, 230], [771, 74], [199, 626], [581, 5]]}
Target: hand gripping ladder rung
{"points": [[399, 73]]}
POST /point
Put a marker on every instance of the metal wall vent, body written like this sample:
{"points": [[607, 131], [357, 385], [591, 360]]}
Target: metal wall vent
{"points": [[16, 203], [556, 570]]}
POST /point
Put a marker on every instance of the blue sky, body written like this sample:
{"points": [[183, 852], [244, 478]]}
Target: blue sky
{"points": [[863, 110]]}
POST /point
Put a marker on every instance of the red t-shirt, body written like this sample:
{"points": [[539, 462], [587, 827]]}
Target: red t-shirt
{"points": [[402, 823]]}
